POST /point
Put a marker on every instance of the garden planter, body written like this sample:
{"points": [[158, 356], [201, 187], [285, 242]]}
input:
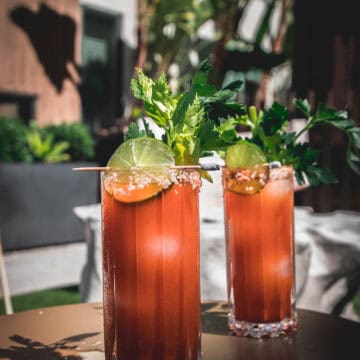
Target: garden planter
{"points": [[37, 201]]}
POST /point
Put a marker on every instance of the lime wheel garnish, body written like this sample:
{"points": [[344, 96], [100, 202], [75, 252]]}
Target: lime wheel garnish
{"points": [[139, 170], [244, 155], [247, 171]]}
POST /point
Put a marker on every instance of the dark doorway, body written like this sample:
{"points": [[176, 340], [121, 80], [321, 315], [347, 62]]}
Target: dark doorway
{"points": [[101, 76]]}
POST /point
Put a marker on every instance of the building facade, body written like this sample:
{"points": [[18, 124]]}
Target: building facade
{"points": [[65, 60]]}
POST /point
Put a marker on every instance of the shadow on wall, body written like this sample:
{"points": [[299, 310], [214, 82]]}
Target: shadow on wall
{"points": [[53, 37]]}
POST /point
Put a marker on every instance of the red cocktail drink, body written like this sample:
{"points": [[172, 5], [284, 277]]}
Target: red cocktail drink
{"points": [[151, 270], [260, 253]]}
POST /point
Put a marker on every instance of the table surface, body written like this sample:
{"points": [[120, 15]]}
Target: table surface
{"points": [[74, 332]]}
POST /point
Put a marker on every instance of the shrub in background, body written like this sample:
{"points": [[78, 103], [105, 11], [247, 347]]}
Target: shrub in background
{"points": [[52, 143], [81, 143], [13, 142], [43, 147]]}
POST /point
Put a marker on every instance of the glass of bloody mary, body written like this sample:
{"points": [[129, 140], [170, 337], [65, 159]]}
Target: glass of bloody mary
{"points": [[150, 218], [258, 204], [151, 288], [258, 198]]}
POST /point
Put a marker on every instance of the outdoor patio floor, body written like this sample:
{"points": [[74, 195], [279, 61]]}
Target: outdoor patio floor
{"points": [[35, 269]]}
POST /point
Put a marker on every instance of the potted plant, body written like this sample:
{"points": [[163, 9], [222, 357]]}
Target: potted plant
{"points": [[38, 188]]}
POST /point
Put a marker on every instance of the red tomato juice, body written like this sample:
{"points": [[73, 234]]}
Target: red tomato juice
{"points": [[260, 254], [151, 276]]}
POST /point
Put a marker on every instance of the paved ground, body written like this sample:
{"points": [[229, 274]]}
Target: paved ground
{"points": [[43, 268]]}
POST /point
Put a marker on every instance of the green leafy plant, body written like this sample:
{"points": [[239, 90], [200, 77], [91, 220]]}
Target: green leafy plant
{"points": [[135, 132], [356, 303], [44, 149], [53, 143], [13, 144], [204, 119], [77, 135], [189, 118], [269, 132]]}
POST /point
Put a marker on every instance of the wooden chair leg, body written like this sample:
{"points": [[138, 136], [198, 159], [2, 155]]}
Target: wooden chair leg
{"points": [[4, 283]]}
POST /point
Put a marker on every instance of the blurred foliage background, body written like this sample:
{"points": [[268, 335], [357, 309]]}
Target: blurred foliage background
{"points": [[244, 39]]}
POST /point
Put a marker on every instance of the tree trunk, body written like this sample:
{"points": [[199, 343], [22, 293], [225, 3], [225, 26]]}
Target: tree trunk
{"points": [[225, 25], [277, 47]]}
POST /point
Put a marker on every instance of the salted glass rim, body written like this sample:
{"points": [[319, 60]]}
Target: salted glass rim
{"points": [[149, 168], [272, 166]]}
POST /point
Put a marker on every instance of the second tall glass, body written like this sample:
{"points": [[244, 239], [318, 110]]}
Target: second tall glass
{"points": [[259, 206]]}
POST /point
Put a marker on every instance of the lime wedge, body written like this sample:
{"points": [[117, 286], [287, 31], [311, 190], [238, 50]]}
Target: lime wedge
{"points": [[247, 171], [141, 153], [247, 181], [244, 155], [139, 170]]}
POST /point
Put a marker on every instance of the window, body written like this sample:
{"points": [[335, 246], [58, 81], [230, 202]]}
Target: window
{"points": [[14, 105]]}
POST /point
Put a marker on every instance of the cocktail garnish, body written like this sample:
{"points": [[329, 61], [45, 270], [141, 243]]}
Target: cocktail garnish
{"points": [[188, 119], [141, 153], [244, 155], [247, 171], [247, 181], [270, 134], [142, 170]]}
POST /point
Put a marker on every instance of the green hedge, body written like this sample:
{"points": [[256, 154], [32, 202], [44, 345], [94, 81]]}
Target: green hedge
{"points": [[52, 143], [13, 142], [79, 138]]}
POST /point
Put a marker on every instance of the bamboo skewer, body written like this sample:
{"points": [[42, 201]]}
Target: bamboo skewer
{"points": [[92, 168], [108, 168]]}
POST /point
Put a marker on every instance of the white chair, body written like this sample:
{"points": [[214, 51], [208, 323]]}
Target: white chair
{"points": [[4, 282]]}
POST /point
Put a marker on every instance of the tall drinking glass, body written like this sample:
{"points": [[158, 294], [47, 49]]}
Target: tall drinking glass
{"points": [[259, 206], [151, 287]]}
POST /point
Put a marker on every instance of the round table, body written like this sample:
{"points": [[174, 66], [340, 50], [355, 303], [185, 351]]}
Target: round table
{"points": [[74, 332]]}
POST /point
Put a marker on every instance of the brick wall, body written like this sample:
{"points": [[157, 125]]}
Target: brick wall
{"points": [[39, 50]]}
